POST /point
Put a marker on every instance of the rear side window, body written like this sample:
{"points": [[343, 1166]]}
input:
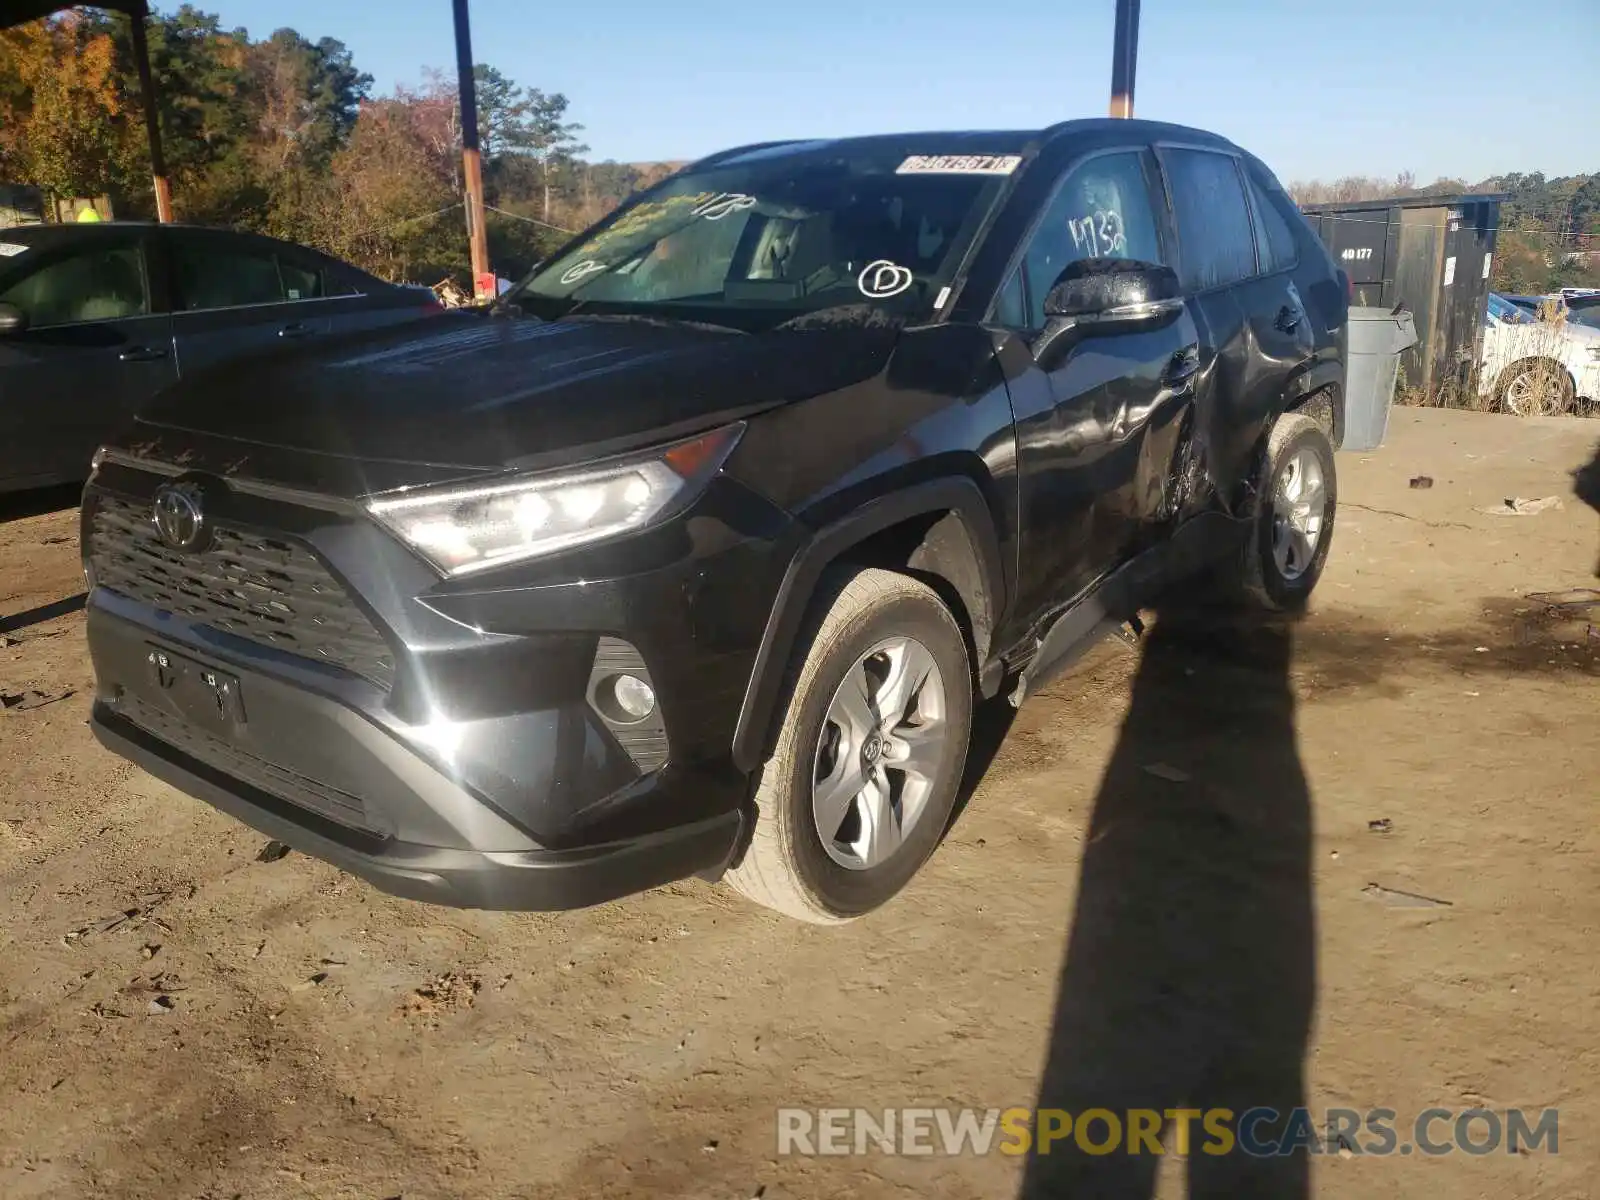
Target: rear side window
{"points": [[213, 274], [105, 283], [299, 281], [337, 281], [1214, 228], [1274, 238]]}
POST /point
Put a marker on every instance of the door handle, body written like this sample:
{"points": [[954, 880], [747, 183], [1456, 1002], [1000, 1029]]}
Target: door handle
{"points": [[1288, 319], [296, 330], [1183, 368], [138, 354]]}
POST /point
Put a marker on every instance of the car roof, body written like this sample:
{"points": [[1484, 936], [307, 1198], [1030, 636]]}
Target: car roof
{"points": [[994, 141], [42, 238], [68, 231]]}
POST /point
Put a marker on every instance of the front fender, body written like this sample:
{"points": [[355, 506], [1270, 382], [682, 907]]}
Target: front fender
{"points": [[956, 494]]}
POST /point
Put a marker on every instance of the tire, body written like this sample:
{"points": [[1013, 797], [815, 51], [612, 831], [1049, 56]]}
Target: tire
{"points": [[1264, 580], [857, 620], [1535, 387]]}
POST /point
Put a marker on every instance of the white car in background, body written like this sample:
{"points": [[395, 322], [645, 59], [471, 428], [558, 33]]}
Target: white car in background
{"points": [[1536, 368]]}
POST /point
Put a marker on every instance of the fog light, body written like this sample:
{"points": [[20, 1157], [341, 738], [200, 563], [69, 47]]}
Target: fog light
{"points": [[621, 694], [634, 698]]}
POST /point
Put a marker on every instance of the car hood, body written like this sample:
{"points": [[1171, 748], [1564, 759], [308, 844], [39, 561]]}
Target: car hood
{"points": [[468, 392]]}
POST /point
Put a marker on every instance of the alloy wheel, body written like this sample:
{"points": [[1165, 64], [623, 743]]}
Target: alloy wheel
{"points": [[1535, 392], [879, 752], [1299, 509]]}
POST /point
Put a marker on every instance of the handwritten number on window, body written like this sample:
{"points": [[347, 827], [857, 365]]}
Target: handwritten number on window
{"points": [[1099, 235]]}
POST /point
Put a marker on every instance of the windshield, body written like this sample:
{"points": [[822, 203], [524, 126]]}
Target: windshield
{"points": [[765, 237]]}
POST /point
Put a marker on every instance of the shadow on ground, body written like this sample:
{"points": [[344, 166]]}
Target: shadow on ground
{"points": [[1586, 485], [38, 501], [44, 612], [991, 722], [1189, 977], [1189, 981]]}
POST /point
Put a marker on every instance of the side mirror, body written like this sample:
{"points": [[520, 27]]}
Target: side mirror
{"points": [[1113, 291], [12, 319]]}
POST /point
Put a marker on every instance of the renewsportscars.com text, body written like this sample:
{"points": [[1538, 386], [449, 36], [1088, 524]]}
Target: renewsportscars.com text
{"points": [[1259, 1132]]}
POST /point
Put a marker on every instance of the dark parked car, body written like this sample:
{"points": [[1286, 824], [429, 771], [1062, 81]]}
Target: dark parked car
{"points": [[695, 555], [95, 319]]}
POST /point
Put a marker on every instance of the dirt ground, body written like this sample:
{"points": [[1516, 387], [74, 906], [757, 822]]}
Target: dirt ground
{"points": [[180, 1019]]}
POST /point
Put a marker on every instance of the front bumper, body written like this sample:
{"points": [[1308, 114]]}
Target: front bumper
{"points": [[535, 879], [307, 764], [458, 751]]}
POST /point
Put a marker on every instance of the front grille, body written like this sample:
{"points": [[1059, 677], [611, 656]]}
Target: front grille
{"points": [[297, 789], [272, 591]]}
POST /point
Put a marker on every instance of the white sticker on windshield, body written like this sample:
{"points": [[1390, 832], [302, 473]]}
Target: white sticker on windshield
{"points": [[960, 164], [10, 249], [881, 279], [724, 204], [581, 270]]}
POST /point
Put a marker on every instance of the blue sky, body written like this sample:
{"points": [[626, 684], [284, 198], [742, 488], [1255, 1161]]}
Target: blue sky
{"points": [[1439, 87]]}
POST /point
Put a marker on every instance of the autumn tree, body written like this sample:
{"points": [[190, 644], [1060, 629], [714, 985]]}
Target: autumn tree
{"points": [[502, 111], [61, 116], [381, 203], [549, 138], [282, 135], [524, 134], [308, 96], [205, 108]]}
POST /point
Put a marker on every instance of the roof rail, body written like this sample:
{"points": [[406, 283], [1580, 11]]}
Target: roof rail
{"points": [[1050, 131], [720, 155]]}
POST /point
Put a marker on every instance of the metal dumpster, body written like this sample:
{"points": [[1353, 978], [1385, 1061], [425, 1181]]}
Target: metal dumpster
{"points": [[1377, 336]]}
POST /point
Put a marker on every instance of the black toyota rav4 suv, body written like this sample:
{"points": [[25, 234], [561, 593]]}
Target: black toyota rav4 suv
{"points": [[694, 554]]}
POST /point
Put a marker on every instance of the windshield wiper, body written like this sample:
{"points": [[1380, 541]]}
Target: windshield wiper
{"points": [[656, 318], [856, 315]]}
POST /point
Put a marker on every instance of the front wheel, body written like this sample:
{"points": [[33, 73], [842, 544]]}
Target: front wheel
{"points": [[1535, 387], [861, 782]]}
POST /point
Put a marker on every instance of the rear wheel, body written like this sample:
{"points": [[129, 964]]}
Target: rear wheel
{"points": [[1293, 513], [1535, 387], [860, 784]]}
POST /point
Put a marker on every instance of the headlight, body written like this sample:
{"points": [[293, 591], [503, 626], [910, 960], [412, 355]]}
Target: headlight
{"points": [[464, 529], [1594, 353]]}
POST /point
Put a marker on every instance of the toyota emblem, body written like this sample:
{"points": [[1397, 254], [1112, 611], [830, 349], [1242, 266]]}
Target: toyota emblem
{"points": [[179, 517]]}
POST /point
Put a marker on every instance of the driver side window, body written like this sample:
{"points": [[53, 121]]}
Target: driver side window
{"points": [[1101, 210]]}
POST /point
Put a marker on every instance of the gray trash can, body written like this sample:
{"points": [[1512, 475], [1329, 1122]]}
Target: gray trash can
{"points": [[1376, 338]]}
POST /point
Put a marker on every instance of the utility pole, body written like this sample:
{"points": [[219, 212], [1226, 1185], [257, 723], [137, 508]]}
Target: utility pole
{"points": [[137, 14], [483, 284], [1124, 58]]}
